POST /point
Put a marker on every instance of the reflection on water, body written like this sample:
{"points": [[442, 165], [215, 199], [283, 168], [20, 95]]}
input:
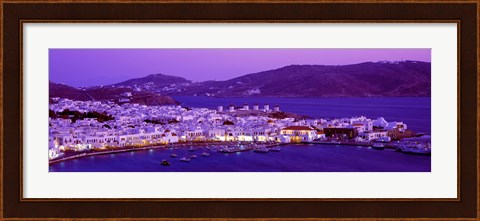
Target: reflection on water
{"points": [[292, 158]]}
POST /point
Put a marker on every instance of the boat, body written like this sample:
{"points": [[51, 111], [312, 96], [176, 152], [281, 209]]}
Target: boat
{"points": [[165, 163], [415, 149], [227, 150], [185, 159], [193, 156], [261, 150], [275, 149], [191, 149], [421, 151], [205, 154], [378, 146], [173, 155]]}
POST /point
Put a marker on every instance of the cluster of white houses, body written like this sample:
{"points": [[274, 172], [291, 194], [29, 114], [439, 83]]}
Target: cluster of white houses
{"points": [[132, 126]]}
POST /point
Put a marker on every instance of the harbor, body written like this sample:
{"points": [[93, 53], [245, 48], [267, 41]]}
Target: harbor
{"points": [[291, 158], [224, 147], [187, 150], [405, 146]]}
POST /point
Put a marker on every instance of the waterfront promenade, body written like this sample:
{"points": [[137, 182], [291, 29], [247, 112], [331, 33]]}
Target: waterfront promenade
{"points": [[225, 147], [291, 158]]}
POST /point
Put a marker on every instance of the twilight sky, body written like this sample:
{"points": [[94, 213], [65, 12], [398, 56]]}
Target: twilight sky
{"points": [[89, 67]]}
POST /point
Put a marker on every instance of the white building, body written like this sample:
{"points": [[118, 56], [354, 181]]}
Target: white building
{"points": [[372, 135], [266, 108], [299, 133]]}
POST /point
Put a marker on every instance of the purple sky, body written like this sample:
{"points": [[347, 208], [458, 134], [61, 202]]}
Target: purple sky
{"points": [[88, 67]]}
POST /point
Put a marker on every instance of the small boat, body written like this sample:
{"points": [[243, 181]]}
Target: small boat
{"points": [[208, 148], [275, 149], [165, 163], [205, 154], [420, 151], [193, 156], [191, 149], [261, 150], [415, 149], [378, 146], [173, 155], [185, 159], [228, 150]]}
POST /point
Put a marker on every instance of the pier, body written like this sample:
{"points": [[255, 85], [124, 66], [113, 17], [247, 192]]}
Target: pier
{"points": [[217, 146], [250, 147], [350, 143], [86, 154]]}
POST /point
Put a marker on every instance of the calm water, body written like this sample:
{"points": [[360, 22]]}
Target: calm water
{"points": [[292, 158], [415, 112]]}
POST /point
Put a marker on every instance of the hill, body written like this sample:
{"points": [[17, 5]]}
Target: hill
{"points": [[107, 93], [65, 91], [370, 79], [153, 82]]}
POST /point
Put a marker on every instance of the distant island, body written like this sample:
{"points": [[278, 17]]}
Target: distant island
{"points": [[369, 79]]}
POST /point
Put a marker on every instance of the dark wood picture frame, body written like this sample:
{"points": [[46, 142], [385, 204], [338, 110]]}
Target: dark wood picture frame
{"points": [[15, 13]]}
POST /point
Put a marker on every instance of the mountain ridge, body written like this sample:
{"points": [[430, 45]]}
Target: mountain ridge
{"points": [[107, 93], [158, 79], [367, 79]]}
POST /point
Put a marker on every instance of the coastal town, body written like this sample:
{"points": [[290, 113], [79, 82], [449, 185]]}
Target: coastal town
{"points": [[101, 126]]}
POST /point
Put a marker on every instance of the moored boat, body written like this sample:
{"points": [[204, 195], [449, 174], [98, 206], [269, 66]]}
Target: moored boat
{"points": [[275, 149], [378, 146], [173, 155], [205, 154], [185, 159], [227, 149], [165, 163], [415, 149], [261, 150], [421, 151]]}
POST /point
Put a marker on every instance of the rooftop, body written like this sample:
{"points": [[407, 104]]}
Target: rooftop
{"points": [[297, 128]]}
